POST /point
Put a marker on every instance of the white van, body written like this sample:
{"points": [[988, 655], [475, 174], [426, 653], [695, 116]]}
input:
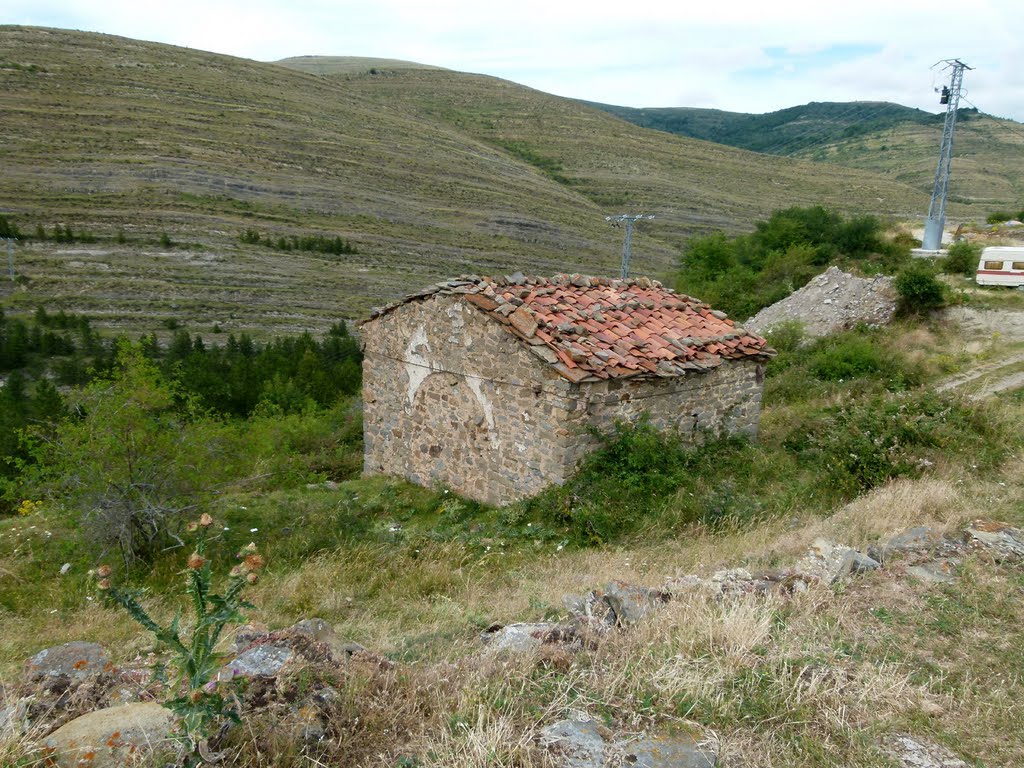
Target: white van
{"points": [[1001, 266]]}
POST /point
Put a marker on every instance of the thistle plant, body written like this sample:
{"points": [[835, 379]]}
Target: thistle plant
{"points": [[194, 692]]}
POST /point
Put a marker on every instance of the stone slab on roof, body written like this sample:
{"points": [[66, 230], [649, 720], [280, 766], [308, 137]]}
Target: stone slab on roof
{"points": [[594, 328]]}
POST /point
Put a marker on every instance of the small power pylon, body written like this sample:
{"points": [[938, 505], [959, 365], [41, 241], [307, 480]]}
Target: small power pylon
{"points": [[627, 244], [936, 220]]}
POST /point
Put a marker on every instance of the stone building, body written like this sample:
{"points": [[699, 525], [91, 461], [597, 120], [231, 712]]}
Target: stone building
{"points": [[488, 385]]}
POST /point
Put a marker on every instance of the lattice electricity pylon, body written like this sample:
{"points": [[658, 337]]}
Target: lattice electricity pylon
{"points": [[627, 243], [936, 221]]}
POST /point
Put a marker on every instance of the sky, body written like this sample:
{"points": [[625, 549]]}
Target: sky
{"points": [[739, 56]]}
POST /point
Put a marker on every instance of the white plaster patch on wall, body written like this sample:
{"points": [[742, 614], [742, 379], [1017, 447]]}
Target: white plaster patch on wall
{"points": [[475, 384], [419, 365]]}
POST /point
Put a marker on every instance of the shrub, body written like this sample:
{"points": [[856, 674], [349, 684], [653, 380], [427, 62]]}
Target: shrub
{"points": [[862, 444], [136, 459], [918, 289], [852, 358], [786, 336], [962, 259], [8, 229], [998, 217]]}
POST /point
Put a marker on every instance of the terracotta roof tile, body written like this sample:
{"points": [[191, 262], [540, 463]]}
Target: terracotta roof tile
{"points": [[599, 328]]}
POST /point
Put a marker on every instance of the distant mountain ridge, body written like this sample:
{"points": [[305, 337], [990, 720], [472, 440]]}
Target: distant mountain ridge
{"points": [[890, 139], [783, 132]]}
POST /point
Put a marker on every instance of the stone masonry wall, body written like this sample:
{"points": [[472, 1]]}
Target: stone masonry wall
{"points": [[472, 409], [725, 400], [451, 398]]}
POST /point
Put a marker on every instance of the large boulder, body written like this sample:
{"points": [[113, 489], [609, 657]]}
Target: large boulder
{"points": [[132, 734]]}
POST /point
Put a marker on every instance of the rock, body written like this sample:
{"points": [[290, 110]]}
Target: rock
{"points": [[934, 571], [75, 662], [515, 637], [574, 743], [524, 636], [259, 661], [921, 538], [631, 603], [575, 605], [116, 736], [730, 582], [246, 636], [670, 751], [829, 563], [911, 752], [316, 629], [1004, 542], [591, 610]]}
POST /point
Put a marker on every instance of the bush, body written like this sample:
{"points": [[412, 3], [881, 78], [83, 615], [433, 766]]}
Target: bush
{"points": [[918, 289], [851, 359], [861, 445], [786, 336], [962, 259], [133, 461], [998, 217], [8, 229]]}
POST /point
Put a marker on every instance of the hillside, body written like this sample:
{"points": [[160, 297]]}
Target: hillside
{"points": [[166, 156], [889, 139]]}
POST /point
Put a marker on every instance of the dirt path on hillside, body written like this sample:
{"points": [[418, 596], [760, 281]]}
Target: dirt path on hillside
{"points": [[1009, 327]]}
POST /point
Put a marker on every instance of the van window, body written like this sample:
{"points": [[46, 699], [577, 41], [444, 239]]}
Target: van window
{"points": [[993, 265], [1018, 265]]}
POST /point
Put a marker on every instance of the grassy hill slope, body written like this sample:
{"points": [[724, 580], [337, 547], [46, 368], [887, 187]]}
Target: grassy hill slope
{"points": [[889, 139], [426, 172]]}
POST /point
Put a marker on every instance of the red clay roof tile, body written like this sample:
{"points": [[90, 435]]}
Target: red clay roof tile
{"points": [[602, 327]]}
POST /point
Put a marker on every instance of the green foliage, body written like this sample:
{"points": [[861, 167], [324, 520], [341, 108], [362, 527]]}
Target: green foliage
{"points": [[8, 229], [135, 458], [853, 357], [310, 243], [636, 470], [194, 693], [962, 259], [551, 167], [741, 275], [998, 217], [786, 336], [862, 444], [165, 241], [918, 289]]}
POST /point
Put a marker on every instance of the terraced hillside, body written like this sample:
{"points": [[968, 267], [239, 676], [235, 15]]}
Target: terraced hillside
{"points": [[166, 156], [889, 139]]}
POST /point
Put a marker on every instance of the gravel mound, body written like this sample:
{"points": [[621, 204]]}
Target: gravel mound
{"points": [[832, 301]]}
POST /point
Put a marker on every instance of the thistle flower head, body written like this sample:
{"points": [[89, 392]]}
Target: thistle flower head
{"points": [[196, 561], [103, 584], [253, 562], [104, 571], [205, 520], [252, 577]]}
